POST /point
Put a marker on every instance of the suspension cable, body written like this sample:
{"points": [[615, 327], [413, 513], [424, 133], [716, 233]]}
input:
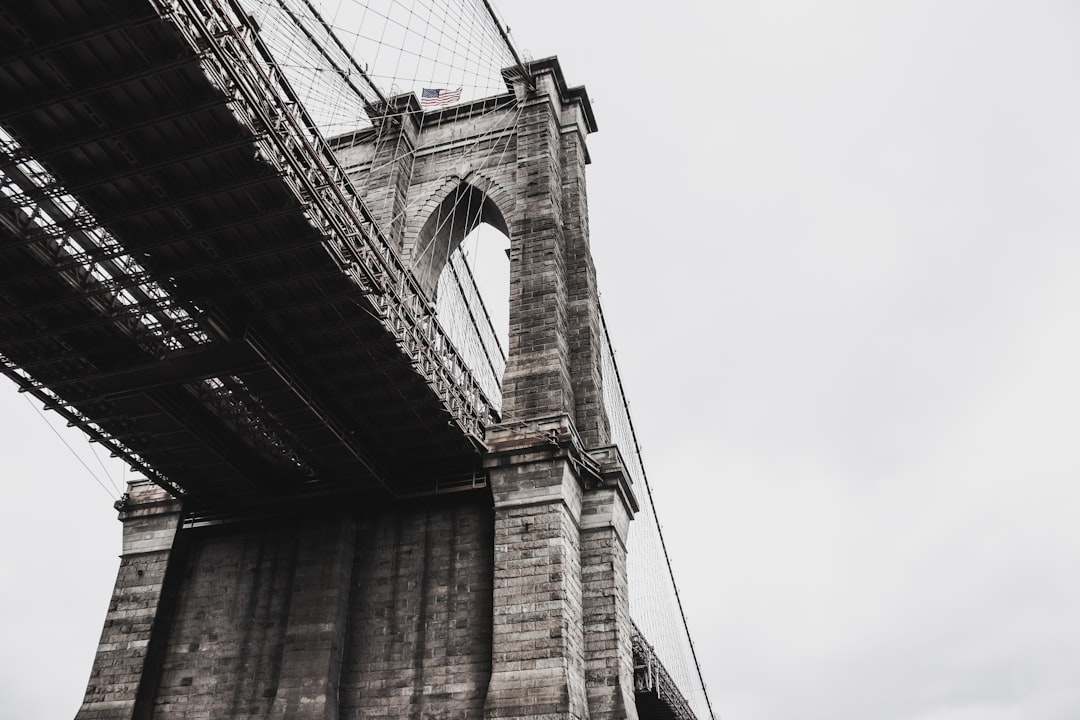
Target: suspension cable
{"points": [[656, 520]]}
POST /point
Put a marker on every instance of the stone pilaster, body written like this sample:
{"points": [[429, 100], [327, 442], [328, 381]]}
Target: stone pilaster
{"points": [[608, 507], [583, 307], [537, 378], [561, 641], [125, 671], [537, 643], [386, 184]]}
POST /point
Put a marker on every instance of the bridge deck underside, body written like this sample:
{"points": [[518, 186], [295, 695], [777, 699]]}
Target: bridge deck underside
{"points": [[311, 392]]}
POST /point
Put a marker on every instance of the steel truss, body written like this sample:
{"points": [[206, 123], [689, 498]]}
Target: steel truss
{"points": [[237, 62]]}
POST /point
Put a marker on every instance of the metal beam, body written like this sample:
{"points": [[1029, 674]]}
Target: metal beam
{"points": [[184, 366], [116, 130], [45, 101], [72, 40], [174, 202], [98, 254], [80, 185]]}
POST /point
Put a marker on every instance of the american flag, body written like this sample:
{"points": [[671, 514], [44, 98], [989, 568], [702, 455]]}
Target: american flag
{"points": [[439, 96]]}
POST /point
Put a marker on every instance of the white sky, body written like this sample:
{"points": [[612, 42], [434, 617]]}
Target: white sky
{"points": [[837, 243]]}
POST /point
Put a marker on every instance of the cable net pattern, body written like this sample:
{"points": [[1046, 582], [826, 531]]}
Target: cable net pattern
{"points": [[655, 607], [344, 58]]}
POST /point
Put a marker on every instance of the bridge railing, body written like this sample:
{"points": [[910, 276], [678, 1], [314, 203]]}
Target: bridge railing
{"points": [[655, 606], [237, 61], [336, 86], [652, 680]]}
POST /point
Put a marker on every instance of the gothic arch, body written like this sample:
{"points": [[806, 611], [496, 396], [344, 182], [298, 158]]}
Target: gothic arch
{"points": [[450, 213]]}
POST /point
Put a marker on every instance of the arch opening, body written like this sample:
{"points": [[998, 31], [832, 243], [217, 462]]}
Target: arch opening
{"points": [[462, 261], [458, 215]]}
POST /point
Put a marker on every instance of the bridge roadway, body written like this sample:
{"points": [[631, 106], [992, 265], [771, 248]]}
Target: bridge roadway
{"points": [[285, 376], [190, 316]]}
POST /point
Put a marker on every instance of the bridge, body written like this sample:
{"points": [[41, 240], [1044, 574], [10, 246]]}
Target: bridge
{"points": [[236, 261]]}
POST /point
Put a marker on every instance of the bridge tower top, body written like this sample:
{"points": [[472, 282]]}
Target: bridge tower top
{"points": [[516, 161]]}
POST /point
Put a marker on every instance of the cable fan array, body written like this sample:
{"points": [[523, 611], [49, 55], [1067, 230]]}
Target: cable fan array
{"points": [[344, 57]]}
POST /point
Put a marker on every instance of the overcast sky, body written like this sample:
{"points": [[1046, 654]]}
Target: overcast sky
{"points": [[838, 249]]}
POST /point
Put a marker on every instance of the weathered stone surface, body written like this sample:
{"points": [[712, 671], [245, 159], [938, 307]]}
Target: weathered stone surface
{"points": [[420, 618], [605, 520], [124, 675], [336, 614]]}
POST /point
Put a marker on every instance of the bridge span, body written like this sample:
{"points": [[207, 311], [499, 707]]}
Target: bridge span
{"points": [[349, 512]]}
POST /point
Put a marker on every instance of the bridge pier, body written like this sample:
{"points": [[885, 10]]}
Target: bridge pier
{"points": [[537, 641], [609, 507], [561, 637], [561, 626], [123, 679], [316, 614], [561, 630]]}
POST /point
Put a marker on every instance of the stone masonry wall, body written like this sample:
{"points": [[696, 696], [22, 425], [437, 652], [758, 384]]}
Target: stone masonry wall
{"points": [[420, 622], [351, 615], [225, 649], [537, 647], [403, 611]]}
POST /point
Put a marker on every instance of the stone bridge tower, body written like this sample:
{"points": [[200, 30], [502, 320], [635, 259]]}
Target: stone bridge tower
{"points": [[508, 601]]}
